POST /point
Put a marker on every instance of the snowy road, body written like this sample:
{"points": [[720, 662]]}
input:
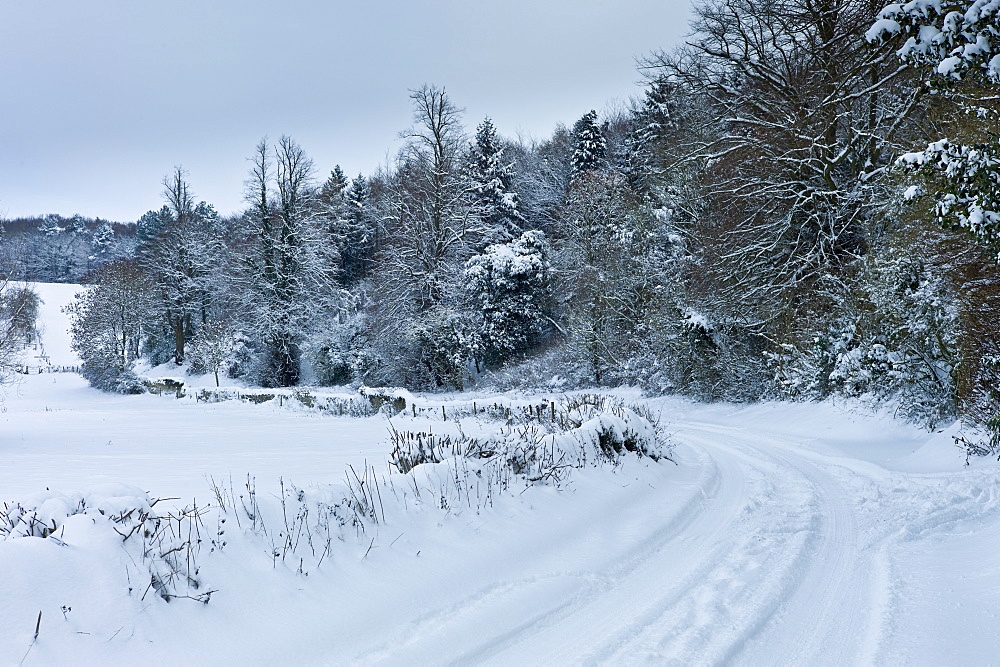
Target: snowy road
{"points": [[770, 553]]}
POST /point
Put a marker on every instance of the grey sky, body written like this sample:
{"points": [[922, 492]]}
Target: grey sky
{"points": [[100, 99]]}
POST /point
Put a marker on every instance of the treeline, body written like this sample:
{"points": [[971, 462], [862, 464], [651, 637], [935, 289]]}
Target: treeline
{"points": [[744, 230], [55, 249]]}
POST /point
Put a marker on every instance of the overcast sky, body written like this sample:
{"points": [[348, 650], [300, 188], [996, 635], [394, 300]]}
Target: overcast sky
{"points": [[99, 99]]}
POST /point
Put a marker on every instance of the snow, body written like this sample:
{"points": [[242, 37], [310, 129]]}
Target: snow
{"points": [[53, 323], [782, 533]]}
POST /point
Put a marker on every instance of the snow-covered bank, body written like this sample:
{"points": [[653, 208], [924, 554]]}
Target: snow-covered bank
{"points": [[434, 543]]}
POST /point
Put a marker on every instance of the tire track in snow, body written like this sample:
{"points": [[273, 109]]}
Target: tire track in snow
{"points": [[704, 621], [444, 631], [716, 584], [775, 554], [704, 570], [827, 603], [594, 630]]}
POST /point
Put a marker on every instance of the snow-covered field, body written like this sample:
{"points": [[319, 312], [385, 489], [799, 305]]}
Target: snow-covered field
{"points": [[781, 534]]}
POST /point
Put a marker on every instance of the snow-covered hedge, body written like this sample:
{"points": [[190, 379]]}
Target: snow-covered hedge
{"points": [[540, 439]]}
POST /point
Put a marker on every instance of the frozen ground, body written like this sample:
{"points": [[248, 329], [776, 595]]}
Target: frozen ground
{"points": [[784, 534]]}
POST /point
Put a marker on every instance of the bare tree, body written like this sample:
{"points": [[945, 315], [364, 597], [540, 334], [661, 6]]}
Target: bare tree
{"points": [[431, 208], [111, 321], [803, 120], [431, 231], [288, 277]]}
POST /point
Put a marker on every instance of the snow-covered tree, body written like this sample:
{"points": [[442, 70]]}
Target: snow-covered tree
{"points": [[489, 177], [288, 278], [965, 181], [610, 268], [589, 144], [430, 230], [799, 122], [543, 174], [357, 195], [213, 347], [180, 253], [955, 45], [110, 323], [353, 230], [432, 216], [510, 286], [958, 43], [103, 240], [18, 314], [149, 226], [333, 190], [655, 118], [957, 39], [58, 251]]}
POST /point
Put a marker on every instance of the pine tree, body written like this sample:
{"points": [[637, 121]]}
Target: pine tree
{"points": [[510, 285], [181, 258], [334, 188], [357, 232], [103, 240], [655, 118], [958, 39], [958, 43], [150, 224], [489, 177], [589, 144]]}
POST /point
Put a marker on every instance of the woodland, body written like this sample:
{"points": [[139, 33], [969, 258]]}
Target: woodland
{"points": [[803, 202]]}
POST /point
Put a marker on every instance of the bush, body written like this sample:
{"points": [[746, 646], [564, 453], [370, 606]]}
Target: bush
{"points": [[103, 372], [544, 441]]}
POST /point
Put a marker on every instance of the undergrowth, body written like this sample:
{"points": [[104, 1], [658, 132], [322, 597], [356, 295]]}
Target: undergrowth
{"points": [[163, 546]]}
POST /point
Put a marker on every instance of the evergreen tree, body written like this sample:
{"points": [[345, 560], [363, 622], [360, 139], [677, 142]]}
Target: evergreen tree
{"points": [[51, 256], [958, 43], [334, 188], [357, 233], [654, 120], [150, 224], [488, 177], [180, 253], [510, 286], [102, 244], [589, 144]]}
